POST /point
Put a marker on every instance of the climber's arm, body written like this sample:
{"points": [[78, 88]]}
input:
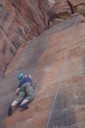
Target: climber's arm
{"points": [[17, 91]]}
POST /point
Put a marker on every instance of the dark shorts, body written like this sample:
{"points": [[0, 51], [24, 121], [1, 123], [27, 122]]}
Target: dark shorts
{"points": [[21, 96], [30, 93], [26, 92]]}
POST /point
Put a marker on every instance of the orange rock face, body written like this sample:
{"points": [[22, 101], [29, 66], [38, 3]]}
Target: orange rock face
{"points": [[20, 21], [61, 9], [56, 62], [78, 6], [58, 11], [50, 4]]}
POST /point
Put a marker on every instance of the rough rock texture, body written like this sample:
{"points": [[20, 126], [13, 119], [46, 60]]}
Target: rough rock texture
{"points": [[50, 4], [78, 6], [56, 60], [61, 9], [82, 18], [34, 14], [58, 11], [20, 21]]}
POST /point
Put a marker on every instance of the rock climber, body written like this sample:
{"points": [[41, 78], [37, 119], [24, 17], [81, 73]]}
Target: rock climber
{"points": [[25, 93]]}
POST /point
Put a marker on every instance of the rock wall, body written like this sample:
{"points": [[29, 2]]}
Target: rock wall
{"points": [[63, 9], [56, 61], [78, 6], [20, 21]]}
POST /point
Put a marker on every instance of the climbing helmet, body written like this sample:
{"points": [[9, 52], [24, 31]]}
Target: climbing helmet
{"points": [[20, 76]]}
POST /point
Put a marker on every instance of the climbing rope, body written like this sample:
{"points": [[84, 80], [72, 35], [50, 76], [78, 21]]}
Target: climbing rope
{"points": [[62, 71]]}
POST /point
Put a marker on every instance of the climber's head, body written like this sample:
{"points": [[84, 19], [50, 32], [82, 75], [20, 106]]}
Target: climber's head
{"points": [[21, 76]]}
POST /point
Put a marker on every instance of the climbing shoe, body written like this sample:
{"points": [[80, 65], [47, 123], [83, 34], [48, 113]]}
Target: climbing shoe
{"points": [[23, 106], [10, 110]]}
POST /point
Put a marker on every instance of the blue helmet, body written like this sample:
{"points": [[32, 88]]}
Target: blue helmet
{"points": [[20, 76]]}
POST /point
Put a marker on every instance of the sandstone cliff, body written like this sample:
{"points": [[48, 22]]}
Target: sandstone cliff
{"points": [[20, 21], [56, 61], [63, 9]]}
